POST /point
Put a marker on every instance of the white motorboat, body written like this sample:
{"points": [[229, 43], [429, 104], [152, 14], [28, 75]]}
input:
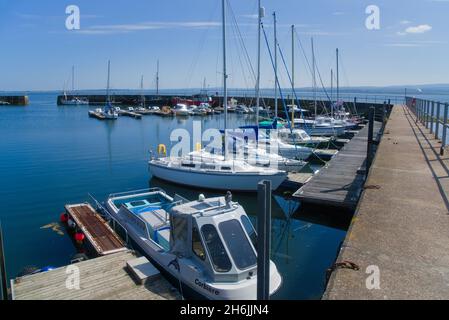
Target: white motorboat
{"points": [[321, 126], [301, 137], [207, 246], [181, 110], [269, 140], [242, 109]]}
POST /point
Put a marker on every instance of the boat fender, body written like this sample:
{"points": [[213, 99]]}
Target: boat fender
{"points": [[201, 198], [64, 218], [71, 224], [162, 149], [79, 237]]}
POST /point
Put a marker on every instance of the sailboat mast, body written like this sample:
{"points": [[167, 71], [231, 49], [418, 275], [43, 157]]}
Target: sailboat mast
{"points": [[225, 80], [141, 92], [338, 77], [275, 66], [157, 78], [293, 77], [314, 78], [109, 79], [258, 61], [332, 93], [73, 79]]}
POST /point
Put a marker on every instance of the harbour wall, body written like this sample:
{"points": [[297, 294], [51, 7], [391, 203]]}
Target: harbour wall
{"points": [[15, 100], [354, 106]]}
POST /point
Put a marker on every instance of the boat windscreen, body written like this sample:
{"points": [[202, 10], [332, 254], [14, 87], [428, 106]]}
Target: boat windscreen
{"points": [[237, 242], [216, 249]]}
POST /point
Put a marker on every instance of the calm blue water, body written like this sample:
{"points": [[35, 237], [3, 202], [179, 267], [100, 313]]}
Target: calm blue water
{"points": [[51, 156]]}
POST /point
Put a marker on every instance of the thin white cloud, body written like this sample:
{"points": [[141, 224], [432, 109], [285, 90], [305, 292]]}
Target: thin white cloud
{"points": [[408, 44], [144, 26], [250, 16], [405, 22], [423, 28]]}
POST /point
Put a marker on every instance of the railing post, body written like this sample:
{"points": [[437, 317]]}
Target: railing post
{"points": [[369, 152], [432, 113], [263, 239], [444, 139], [418, 104], [437, 121], [427, 104]]}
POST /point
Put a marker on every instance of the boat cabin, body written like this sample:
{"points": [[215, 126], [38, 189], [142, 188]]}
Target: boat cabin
{"points": [[218, 235]]}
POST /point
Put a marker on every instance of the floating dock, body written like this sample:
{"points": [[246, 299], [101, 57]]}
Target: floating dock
{"points": [[398, 237], [103, 278], [100, 235], [131, 114], [339, 184]]}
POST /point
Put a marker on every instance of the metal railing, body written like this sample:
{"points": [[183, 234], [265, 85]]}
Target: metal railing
{"points": [[433, 115]]}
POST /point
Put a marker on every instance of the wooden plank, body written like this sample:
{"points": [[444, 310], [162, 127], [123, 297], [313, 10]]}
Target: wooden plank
{"points": [[105, 277], [96, 229]]}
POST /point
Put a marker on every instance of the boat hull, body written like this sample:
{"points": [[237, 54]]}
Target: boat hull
{"points": [[192, 282], [215, 180]]}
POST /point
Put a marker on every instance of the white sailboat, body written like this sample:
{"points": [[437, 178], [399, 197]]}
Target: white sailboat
{"points": [[109, 112], [206, 246], [216, 173], [256, 157], [74, 101]]}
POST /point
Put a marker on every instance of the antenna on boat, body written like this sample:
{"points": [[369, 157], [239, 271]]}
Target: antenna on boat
{"points": [[275, 66]]}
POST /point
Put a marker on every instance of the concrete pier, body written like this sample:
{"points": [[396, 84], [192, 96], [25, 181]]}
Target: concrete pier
{"points": [[401, 224]]}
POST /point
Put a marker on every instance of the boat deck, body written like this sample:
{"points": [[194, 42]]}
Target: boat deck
{"points": [[340, 182], [102, 278], [97, 231]]}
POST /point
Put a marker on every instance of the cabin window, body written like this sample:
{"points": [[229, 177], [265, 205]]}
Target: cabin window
{"points": [[188, 165], [216, 249], [226, 168], [207, 166], [249, 228], [197, 245], [241, 250]]}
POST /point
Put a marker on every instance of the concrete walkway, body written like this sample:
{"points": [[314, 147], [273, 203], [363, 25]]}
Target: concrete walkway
{"points": [[402, 222]]}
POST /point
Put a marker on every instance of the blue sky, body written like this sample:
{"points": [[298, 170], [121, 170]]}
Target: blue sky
{"points": [[37, 51]]}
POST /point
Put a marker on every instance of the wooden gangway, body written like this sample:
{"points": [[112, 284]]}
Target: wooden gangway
{"points": [[100, 235], [102, 278], [340, 183]]}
